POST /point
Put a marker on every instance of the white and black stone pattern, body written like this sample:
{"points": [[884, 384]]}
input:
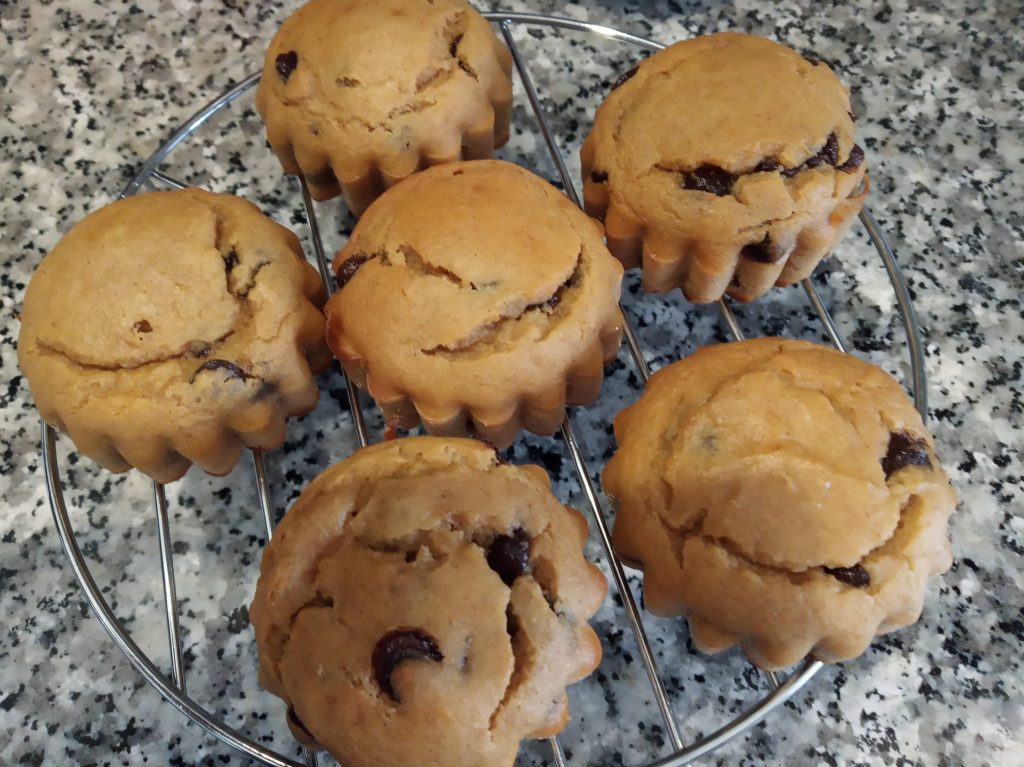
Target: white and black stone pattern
{"points": [[90, 88]]}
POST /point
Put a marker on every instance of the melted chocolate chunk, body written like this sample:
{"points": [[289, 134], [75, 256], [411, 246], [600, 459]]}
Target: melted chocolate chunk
{"points": [[767, 166], [598, 176], [855, 576], [710, 179], [853, 161], [509, 555], [623, 77], [829, 153], [231, 260], [349, 267], [763, 252], [399, 646], [453, 49], [285, 64], [233, 370], [142, 326], [904, 450], [556, 298]]}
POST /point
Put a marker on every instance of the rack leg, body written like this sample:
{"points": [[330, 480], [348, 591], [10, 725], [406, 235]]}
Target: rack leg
{"points": [[267, 507], [619, 576], [170, 592]]}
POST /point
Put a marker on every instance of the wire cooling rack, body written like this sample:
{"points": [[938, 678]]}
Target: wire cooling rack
{"points": [[173, 687]]}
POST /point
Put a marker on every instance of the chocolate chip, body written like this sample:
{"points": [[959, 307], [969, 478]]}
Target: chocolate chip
{"points": [[829, 153], [904, 450], [556, 297], [349, 267], [763, 252], [286, 63], [767, 166], [853, 161], [399, 646], [623, 77], [453, 49], [509, 555], [710, 179], [812, 61], [196, 349], [598, 176], [233, 370], [142, 326], [231, 260], [855, 576]]}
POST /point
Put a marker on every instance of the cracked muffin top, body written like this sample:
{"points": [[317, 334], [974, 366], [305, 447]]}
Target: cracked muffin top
{"points": [[782, 495], [475, 289], [361, 93], [189, 332], [423, 603], [721, 147]]}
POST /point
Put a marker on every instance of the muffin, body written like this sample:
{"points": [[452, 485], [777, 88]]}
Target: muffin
{"points": [[781, 495], [423, 603], [358, 94], [724, 163], [190, 331], [476, 298]]}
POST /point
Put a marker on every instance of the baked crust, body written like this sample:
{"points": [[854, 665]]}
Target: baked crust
{"points": [[476, 298], [190, 333], [402, 538], [725, 163], [358, 94], [747, 469]]}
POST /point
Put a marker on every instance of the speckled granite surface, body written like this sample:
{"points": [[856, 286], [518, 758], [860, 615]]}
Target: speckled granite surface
{"points": [[90, 88]]}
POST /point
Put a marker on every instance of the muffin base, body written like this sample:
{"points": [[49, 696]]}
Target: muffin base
{"points": [[540, 413]]}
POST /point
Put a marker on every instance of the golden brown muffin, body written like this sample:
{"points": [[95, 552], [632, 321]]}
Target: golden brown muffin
{"points": [[781, 495], [422, 603], [724, 163], [172, 328], [475, 297], [358, 94]]}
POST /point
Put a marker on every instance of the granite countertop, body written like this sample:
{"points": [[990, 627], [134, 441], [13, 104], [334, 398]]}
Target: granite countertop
{"points": [[90, 88]]}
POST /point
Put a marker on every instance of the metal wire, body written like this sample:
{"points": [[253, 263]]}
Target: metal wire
{"points": [[355, 408], [174, 691], [117, 631], [170, 592], [826, 319], [619, 575], [267, 507]]}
